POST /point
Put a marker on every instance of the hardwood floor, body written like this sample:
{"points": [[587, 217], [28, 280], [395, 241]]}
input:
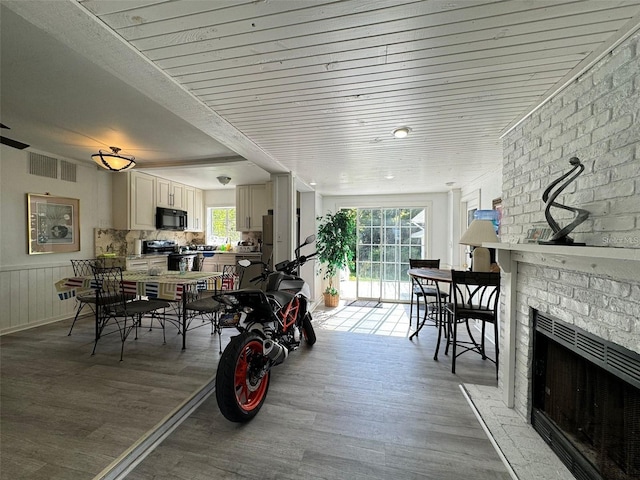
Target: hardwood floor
{"points": [[66, 414], [353, 406]]}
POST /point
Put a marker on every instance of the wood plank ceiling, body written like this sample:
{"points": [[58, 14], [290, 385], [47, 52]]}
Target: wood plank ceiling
{"points": [[320, 85]]}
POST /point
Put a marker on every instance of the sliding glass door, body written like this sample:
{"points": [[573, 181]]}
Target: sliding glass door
{"points": [[387, 238]]}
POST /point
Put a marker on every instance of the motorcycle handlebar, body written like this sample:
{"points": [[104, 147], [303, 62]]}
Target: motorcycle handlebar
{"points": [[287, 267], [290, 266]]}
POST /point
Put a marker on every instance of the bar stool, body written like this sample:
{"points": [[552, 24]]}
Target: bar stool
{"points": [[475, 296], [426, 289]]}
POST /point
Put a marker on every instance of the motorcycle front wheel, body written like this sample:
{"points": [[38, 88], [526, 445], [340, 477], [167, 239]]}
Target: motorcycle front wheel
{"points": [[241, 384]]}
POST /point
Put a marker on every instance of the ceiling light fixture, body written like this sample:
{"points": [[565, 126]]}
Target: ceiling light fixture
{"points": [[224, 179], [401, 132], [113, 160]]}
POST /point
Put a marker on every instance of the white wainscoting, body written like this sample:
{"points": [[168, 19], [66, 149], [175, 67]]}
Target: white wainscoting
{"points": [[28, 296]]}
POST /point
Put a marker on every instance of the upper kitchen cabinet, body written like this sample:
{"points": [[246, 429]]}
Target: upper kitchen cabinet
{"points": [[134, 201], [194, 205], [170, 194], [252, 203]]}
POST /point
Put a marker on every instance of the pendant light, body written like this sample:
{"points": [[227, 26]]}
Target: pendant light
{"points": [[113, 160]]}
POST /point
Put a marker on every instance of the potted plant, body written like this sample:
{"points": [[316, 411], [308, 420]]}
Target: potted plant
{"points": [[336, 235]]}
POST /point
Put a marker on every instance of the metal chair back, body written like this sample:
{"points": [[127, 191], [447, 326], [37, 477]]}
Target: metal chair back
{"points": [[475, 294], [83, 268], [475, 297], [418, 289]]}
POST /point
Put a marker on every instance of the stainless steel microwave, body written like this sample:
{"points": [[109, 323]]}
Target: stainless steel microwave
{"points": [[170, 219]]}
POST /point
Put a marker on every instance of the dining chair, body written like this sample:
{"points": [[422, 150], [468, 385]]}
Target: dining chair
{"points": [[117, 307], [425, 289], [475, 296], [229, 277], [83, 268], [209, 309]]}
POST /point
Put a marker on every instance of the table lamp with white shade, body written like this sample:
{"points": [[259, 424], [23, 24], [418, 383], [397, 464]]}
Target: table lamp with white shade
{"points": [[479, 232]]}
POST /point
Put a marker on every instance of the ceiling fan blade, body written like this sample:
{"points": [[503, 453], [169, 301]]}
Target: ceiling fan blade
{"points": [[13, 143]]}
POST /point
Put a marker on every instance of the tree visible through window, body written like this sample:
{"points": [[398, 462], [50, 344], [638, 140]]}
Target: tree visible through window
{"points": [[222, 226]]}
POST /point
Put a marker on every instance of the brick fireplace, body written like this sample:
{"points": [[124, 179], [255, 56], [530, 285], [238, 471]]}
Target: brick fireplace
{"points": [[595, 288]]}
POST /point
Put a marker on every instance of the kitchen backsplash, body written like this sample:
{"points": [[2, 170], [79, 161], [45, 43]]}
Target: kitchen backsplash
{"points": [[122, 242]]}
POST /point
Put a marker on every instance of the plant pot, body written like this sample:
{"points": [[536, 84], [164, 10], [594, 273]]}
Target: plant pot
{"points": [[331, 300]]}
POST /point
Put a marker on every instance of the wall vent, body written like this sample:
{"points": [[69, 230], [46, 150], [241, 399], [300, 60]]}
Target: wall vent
{"points": [[67, 171], [43, 166]]}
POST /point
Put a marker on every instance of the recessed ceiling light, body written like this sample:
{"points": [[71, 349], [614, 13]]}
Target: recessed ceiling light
{"points": [[401, 132], [389, 177], [313, 184]]}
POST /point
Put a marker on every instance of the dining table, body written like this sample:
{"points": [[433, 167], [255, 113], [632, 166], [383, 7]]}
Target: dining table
{"points": [[169, 285], [438, 276]]}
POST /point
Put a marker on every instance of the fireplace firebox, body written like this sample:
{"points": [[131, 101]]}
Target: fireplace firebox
{"points": [[586, 400]]}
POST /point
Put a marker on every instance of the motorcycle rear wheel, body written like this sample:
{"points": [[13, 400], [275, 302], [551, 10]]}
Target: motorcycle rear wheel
{"points": [[240, 390], [307, 330]]}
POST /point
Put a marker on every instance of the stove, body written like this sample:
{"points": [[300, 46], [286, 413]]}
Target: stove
{"points": [[159, 247], [169, 248]]}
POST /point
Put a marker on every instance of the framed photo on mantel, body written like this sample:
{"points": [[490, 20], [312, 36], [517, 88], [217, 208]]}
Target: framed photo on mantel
{"points": [[53, 224]]}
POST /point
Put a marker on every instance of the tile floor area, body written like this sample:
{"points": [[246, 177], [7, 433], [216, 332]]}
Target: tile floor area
{"points": [[391, 319], [522, 449]]}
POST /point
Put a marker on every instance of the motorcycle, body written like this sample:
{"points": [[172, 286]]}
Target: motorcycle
{"points": [[272, 322]]}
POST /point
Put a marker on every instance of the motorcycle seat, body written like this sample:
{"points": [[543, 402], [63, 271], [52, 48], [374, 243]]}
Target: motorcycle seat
{"points": [[280, 297]]}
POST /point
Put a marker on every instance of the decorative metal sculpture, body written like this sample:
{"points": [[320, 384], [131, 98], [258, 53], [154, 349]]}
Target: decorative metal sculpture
{"points": [[561, 235]]}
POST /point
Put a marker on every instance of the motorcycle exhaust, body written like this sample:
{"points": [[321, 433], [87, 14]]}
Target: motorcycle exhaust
{"points": [[274, 351]]}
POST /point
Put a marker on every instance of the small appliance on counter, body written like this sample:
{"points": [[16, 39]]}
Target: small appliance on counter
{"points": [[169, 248]]}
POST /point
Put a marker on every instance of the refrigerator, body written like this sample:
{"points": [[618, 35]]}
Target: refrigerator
{"points": [[267, 240]]}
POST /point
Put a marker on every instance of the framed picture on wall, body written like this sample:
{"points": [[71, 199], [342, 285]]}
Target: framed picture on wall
{"points": [[53, 224]]}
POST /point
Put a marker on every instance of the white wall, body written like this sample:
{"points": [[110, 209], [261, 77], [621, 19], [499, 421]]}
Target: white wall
{"points": [[220, 198], [27, 293], [489, 187], [307, 204]]}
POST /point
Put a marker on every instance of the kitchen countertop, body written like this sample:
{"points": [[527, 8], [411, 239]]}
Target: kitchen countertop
{"points": [[220, 252], [144, 255]]}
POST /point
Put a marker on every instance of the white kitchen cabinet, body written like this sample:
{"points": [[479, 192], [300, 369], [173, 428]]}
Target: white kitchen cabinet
{"points": [[217, 262], [251, 204], [137, 265], [194, 207], [143, 264], [170, 194], [134, 201]]}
